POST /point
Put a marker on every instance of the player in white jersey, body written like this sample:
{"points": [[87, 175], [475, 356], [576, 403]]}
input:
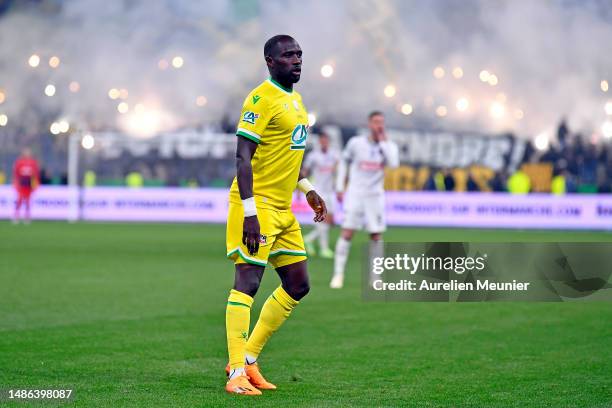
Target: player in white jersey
{"points": [[366, 157], [321, 164]]}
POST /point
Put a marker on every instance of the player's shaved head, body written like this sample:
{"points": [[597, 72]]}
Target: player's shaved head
{"points": [[284, 59], [271, 48]]}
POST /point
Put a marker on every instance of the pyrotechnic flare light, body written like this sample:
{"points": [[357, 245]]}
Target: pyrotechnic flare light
{"points": [[441, 111], [123, 107], [177, 62], [113, 93], [406, 109], [50, 90], [438, 72], [492, 80], [3, 120], [541, 141], [327, 71], [201, 100], [123, 93], [604, 85], [2, 97], [88, 141], [462, 104], [606, 129], [54, 62], [390, 91], [55, 128], [312, 119], [34, 60], [74, 87], [458, 72], [608, 108], [64, 126]]}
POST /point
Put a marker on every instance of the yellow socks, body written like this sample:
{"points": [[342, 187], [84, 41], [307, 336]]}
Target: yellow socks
{"points": [[273, 314], [237, 319]]}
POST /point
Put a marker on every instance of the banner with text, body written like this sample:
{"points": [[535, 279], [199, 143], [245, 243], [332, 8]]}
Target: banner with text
{"points": [[471, 210]]}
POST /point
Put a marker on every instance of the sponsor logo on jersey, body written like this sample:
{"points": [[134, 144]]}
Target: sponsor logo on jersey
{"points": [[256, 99], [370, 165], [296, 105], [250, 117], [298, 137]]}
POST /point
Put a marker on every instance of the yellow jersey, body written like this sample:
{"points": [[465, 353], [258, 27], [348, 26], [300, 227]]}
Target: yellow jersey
{"points": [[275, 118]]}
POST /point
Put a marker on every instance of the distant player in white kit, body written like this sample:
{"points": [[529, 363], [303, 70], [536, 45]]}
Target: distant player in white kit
{"points": [[321, 164], [366, 157]]}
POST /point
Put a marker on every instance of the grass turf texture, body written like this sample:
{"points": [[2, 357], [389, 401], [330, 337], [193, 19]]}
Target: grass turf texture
{"points": [[133, 315]]}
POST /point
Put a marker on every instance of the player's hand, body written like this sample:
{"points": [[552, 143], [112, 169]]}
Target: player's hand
{"points": [[317, 204], [251, 234], [340, 196]]}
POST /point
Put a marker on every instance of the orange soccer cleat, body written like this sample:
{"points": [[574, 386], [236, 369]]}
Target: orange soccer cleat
{"points": [[255, 377], [241, 385]]}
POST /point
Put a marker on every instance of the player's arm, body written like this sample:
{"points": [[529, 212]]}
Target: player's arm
{"points": [[244, 175], [314, 199], [253, 122], [389, 150]]}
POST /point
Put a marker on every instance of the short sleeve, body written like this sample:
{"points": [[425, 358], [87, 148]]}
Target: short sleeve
{"points": [[254, 118]]}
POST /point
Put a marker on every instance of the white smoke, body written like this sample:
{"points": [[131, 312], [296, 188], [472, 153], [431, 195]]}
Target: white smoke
{"points": [[549, 58]]}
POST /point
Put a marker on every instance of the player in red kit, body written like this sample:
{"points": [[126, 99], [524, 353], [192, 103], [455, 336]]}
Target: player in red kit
{"points": [[26, 178]]}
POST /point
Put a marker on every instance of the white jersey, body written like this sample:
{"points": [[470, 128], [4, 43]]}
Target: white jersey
{"points": [[322, 166], [366, 171]]}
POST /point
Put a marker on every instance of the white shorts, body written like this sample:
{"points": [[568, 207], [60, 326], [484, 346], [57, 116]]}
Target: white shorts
{"points": [[330, 200], [368, 210]]}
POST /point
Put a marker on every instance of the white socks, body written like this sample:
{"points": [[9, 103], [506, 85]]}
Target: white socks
{"points": [[376, 251], [343, 247], [236, 372], [249, 359]]}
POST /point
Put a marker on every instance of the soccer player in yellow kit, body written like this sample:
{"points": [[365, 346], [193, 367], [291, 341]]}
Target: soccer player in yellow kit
{"points": [[261, 228]]}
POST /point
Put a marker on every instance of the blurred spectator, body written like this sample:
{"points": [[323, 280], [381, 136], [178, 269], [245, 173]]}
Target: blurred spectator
{"points": [[519, 183]]}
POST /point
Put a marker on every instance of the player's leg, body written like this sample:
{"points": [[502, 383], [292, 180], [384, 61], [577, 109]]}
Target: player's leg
{"points": [[288, 257], [27, 208], [249, 269], [277, 308], [343, 247], [238, 313], [18, 203], [353, 220], [375, 225]]}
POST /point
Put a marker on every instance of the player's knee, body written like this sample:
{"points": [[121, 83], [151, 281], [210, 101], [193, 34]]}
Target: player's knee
{"points": [[299, 290], [247, 283]]}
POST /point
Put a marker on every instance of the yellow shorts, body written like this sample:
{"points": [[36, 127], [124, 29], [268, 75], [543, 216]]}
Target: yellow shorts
{"points": [[281, 240]]}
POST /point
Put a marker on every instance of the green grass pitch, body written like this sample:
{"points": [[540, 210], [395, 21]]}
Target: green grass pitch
{"points": [[133, 315]]}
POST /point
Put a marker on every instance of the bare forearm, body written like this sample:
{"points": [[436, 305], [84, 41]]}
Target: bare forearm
{"points": [[244, 175]]}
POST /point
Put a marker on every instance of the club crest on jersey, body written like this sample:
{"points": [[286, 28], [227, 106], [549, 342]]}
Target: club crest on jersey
{"points": [[298, 137], [250, 117], [263, 239]]}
